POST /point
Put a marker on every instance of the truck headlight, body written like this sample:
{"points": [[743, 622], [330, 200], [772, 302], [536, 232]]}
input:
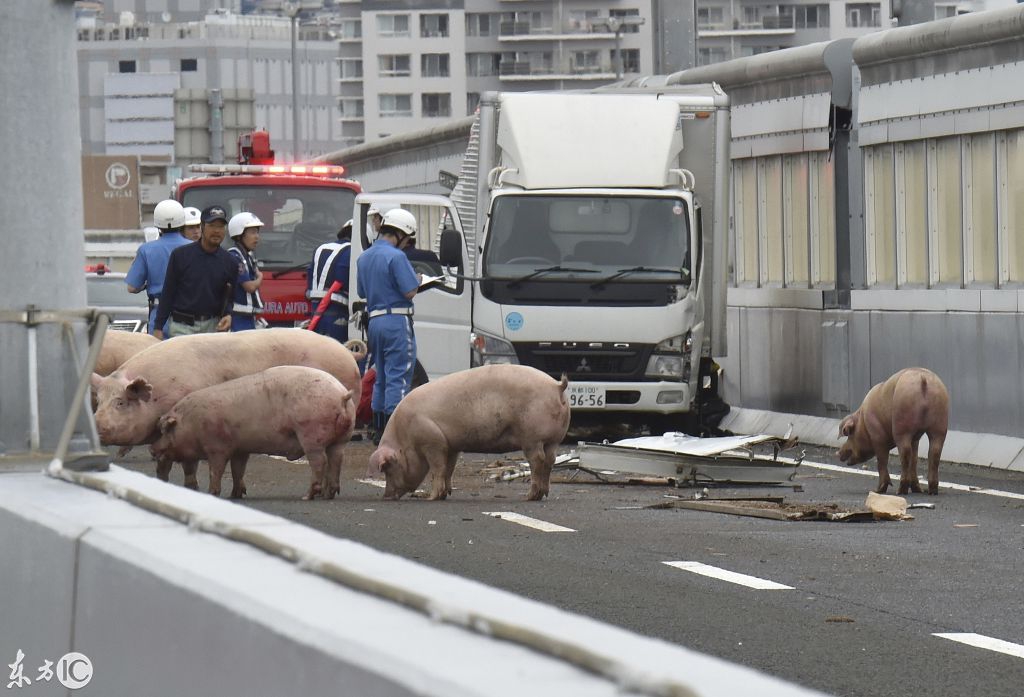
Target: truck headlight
{"points": [[671, 358], [489, 350]]}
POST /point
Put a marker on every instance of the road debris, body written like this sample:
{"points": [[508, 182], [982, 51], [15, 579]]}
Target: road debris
{"points": [[885, 507], [773, 508], [685, 459]]}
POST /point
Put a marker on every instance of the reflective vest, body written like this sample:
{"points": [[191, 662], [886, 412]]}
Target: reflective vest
{"points": [[246, 303], [323, 261]]}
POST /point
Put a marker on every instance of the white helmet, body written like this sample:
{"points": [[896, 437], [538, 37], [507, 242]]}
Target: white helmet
{"points": [[192, 216], [240, 221], [169, 215], [150, 233], [401, 220]]}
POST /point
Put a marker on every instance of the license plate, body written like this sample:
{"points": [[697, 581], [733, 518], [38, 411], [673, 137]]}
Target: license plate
{"points": [[585, 396]]}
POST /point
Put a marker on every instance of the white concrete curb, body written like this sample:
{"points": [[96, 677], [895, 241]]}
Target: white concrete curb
{"points": [[982, 449]]}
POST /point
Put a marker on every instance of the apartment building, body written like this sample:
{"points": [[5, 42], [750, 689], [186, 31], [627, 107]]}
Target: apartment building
{"points": [[407, 65], [728, 29]]}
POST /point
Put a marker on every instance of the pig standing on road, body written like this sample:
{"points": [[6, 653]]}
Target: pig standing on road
{"points": [[897, 412], [491, 409], [287, 410], [146, 386]]}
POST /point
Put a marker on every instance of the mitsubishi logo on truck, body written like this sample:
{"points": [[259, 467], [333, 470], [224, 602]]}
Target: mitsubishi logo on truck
{"points": [[583, 366]]}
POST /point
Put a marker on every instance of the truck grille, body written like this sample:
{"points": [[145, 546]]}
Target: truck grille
{"points": [[585, 360]]}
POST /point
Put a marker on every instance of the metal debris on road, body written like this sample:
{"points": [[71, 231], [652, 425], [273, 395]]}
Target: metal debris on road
{"points": [[685, 459]]}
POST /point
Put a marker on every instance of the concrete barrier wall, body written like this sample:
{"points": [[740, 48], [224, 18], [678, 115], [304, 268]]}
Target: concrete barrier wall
{"points": [[162, 608]]}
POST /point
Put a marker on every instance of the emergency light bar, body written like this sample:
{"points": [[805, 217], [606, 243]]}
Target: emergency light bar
{"points": [[315, 170]]}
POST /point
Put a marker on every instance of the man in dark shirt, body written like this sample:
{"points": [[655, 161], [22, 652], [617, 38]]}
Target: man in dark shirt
{"points": [[199, 283]]}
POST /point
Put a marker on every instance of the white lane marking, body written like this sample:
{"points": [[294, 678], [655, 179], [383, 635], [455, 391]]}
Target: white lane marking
{"points": [[984, 642], [379, 483], [896, 478], [730, 576], [528, 521]]}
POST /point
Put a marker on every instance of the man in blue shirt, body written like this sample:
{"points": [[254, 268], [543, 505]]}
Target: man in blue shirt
{"points": [[150, 263], [200, 281], [331, 263], [388, 282]]}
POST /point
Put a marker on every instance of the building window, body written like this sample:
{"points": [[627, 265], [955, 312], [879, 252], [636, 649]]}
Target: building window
{"points": [[351, 29], [710, 18], [707, 56], [395, 105], [811, 16], [584, 62], [126, 66], [472, 102], [482, 64], [189, 65], [863, 15], [481, 24], [433, 25], [394, 66], [351, 68], [945, 11], [629, 28], [393, 25], [630, 60], [437, 105], [351, 108], [434, 65]]}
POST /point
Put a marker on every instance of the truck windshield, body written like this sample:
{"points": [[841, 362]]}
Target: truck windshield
{"points": [[296, 220], [649, 236]]}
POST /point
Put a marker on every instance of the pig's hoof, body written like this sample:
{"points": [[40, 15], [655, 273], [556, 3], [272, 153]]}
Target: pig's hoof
{"points": [[535, 496], [238, 494], [933, 490], [916, 488], [194, 486]]}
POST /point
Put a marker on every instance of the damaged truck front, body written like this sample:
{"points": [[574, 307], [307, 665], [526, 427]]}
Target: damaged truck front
{"points": [[596, 240]]}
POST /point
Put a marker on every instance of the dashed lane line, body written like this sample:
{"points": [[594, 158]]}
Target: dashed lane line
{"points": [[896, 478], [730, 576], [529, 522], [983, 642]]}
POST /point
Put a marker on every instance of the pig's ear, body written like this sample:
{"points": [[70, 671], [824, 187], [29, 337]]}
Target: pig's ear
{"points": [[95, 380], [847, 426], [167, 423], [139, 389]]}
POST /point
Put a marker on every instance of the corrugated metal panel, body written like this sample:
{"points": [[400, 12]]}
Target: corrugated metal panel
{"points": [[464, 194]]}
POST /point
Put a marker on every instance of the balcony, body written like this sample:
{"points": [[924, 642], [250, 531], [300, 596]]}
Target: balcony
{"points": [[769, 25], [567, 31], [523, 70]]}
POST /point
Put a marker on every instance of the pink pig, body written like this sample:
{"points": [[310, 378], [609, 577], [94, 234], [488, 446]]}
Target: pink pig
{"points": [[132, 398], [897, 412], [287, 410], [491, 409]]}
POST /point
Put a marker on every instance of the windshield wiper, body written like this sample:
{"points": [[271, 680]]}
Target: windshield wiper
{"points": [[635, 269], [549, 269], [278, 274]]}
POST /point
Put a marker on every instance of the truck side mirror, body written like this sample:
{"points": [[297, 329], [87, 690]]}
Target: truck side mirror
{"points": [[451, 248]]}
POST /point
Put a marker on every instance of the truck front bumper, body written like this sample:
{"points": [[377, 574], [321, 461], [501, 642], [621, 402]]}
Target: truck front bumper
{"points": [[636, 397]]}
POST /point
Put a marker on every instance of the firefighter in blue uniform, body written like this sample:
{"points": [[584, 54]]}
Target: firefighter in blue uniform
{"points": [[244, 230], [388, 282], [150, 264], [331, 263]]}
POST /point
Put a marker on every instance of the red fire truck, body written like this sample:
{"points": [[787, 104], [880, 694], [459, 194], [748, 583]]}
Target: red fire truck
{"points": [[301, 206]]}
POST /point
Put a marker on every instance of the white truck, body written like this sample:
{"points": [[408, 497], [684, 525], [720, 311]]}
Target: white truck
{"points": [[594, 245]]}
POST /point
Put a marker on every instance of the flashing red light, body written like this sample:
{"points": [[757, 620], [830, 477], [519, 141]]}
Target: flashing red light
{"points": [[98, 269], [276, 169], [298, 169]]}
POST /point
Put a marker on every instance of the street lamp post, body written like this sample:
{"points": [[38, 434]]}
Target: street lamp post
{"points": [[617, 24], [292, 9]]}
